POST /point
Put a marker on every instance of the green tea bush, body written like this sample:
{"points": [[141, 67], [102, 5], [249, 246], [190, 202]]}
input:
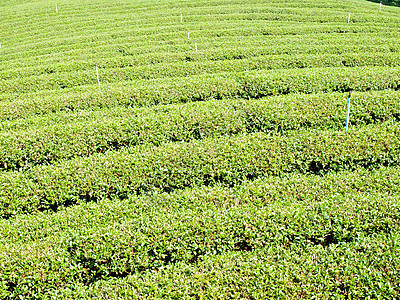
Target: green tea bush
{"points": [[247, 85], [66, 138], [149, 236], [227, 161], [222, 173]]}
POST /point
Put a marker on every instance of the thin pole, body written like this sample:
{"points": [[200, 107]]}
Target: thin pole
{"points": [[348, 21], [195, 44], [97, 73], [348, 112], [380, 6], [56, 8], [181, 17]]}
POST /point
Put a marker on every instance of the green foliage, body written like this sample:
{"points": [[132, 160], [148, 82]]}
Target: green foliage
{"points": [[185, 234], [173, 166], [67, 137], [247, 85], [217, 173]]}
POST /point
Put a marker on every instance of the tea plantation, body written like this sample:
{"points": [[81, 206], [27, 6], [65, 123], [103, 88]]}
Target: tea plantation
{"points": [[159, 149]]}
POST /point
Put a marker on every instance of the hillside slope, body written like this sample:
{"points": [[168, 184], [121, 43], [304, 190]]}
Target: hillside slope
{"points": [[197, 149]]}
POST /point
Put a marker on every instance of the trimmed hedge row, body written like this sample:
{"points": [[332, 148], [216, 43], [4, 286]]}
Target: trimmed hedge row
{"points": [[66, 138], [270, 191], [275, 272], [156, 35], [227, 161], [110, 74], [247, 85], [259, 84], [155, 47], [209, 16], [152, 234], [366, 269]]}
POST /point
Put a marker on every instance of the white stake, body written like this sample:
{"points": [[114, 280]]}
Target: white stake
{"points": [[348, 112], [195, 45], [348, 21], [181, 17], [97, 73], [380, 6], [56, 8]]}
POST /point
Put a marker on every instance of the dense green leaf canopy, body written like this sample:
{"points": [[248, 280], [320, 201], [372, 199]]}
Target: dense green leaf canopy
{"points": [[157, 149]]}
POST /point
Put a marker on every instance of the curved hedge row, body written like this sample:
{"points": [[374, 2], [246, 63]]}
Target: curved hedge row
{"points": [[73, 137], [123, 54], [247, 85], [53, 80], [148, 235], [274, 272], [269, 191], [156, 40], [227, 161]]}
